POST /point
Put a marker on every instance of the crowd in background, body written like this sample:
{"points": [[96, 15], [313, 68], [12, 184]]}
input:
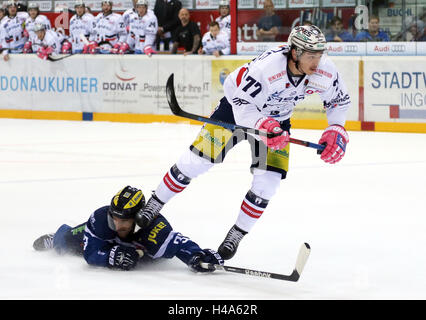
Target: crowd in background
{"points": [[166, 28], [139, 30]]}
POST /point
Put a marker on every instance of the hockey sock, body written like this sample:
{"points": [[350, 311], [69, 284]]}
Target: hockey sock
{"points": [[173, 183], [251, 210]]}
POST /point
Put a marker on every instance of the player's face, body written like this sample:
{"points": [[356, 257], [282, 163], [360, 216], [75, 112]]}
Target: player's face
{"points": [[214, 31], [12, 10], [141, 10], [40, 34], [33, 13], [80, 10], [106, 8], [309, 61], [223, 11], [123, 226]]}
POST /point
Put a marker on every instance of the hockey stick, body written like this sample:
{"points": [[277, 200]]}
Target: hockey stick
{"points": [[58, 58], [176, 109], [302, 257]]}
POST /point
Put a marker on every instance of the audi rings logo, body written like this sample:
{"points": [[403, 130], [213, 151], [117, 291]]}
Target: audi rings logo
{"points": [[352, 48], [398, 48]]}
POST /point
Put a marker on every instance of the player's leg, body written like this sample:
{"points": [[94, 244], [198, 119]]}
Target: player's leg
{"points": [[210, 147], [65, 240], [269, 168]]}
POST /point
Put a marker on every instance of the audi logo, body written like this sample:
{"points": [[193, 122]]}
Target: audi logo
{"points": [[351, 48], [398, 48]]}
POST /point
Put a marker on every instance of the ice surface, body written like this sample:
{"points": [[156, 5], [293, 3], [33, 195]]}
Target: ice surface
{"points": [[364, 218]]}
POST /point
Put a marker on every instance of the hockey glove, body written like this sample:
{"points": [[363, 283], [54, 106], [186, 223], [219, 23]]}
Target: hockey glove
{"points": [[207, 256], [148, 51], [335, 139], [90, 48], [122, 257], [27, 47], [270, 125], [43, 53], [124, 48]]}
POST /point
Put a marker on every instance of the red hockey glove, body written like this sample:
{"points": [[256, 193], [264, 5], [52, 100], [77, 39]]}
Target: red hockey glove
{"points": [[27, 47], [43, 53], [148, 51], [123, 48], [335, 139], [270, 125]]}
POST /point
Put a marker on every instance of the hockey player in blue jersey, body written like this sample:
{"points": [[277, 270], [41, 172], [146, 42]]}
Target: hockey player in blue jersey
{"points": [[109, 239]]}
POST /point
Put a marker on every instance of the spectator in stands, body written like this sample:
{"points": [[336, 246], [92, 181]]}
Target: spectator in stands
{"points": [[373, 33], [337, 33], [224, 18], [187, 35], [166, 12], [215, 41], [416, 31], [269, 24]]}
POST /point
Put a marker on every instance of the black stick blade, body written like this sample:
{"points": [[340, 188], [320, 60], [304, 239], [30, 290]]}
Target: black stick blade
{"points": [[171, 97]]}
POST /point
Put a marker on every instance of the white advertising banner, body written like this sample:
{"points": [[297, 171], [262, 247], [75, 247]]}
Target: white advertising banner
{"points": [[346, 48], [112, 84], [391, 48], [395, 89]]}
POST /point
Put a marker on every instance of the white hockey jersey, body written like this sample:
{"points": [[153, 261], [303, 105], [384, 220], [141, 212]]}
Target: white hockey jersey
{"points": [[218, 43], [142, 31], [80, 26], [225, 24], [108, 28], [128, 15], [30, 22], [51, 39], [263, 88], [13, 33]]}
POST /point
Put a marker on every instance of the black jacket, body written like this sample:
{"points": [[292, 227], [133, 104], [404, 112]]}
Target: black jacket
{"points": [[167, 14]]}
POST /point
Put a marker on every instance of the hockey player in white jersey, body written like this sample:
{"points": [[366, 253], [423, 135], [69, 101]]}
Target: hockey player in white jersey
{"points": [[80, 27], [108, 32], [142, 31], [13, 30], [215, 41], [224, 18], [46, 42], [129, 14], [35, 17], [262, 95]]}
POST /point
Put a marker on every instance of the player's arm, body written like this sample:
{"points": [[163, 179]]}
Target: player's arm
{"points": [[336, 101], [161, 241]]}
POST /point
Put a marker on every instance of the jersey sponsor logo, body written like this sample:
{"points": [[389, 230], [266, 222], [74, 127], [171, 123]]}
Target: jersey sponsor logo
{"points": [[155, 231], [324, 73], [277, 76], [340, 99]]}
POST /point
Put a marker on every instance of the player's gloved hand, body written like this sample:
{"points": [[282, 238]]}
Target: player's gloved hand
{"points": [[27, 47], [116, 48], [335, 139], [25, 33], [270, 125], [122, 257], [207, 256], [43, 53], [124, 48], [90, 48], [66, 47], [148, 51]]}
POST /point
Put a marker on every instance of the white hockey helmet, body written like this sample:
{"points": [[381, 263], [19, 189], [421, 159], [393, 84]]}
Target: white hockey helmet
{"points": [[308, 38], [223, 3], [11, 3], [79, 3], [39, 27], [33, 5], [107, 1], [141, 3]]}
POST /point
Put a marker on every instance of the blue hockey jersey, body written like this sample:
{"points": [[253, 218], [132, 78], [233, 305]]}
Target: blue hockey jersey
{"points": [[95, 239]]}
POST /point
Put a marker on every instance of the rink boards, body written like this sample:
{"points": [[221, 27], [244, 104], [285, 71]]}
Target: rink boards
{"points": [[388, 93]]}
